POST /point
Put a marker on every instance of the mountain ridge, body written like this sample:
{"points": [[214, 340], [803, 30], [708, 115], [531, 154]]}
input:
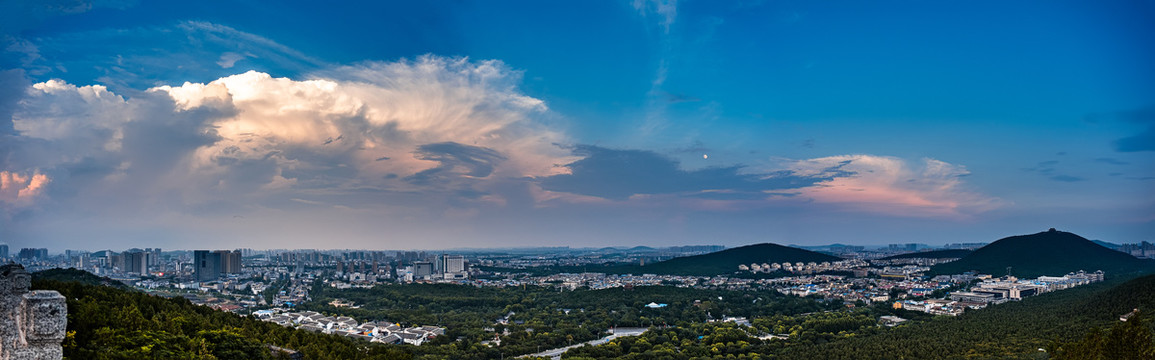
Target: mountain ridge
{"points": [[1050, 252], [726, 261], [935, 254]]}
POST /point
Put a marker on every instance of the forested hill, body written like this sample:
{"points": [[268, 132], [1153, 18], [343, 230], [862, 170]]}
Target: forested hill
{"points": [[937, 254], [77, 276], [1011, 330], [109, 322], [1047, 253], [727, 261]]}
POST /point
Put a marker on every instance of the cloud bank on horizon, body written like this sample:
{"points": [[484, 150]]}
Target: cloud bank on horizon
{"points": [[198, 131]]}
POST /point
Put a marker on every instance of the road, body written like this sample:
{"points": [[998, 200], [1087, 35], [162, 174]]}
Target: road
{"points": [[614, 334]]}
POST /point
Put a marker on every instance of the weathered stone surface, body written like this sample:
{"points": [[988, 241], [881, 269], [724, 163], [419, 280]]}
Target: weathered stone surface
{"points": [[32, 323]]}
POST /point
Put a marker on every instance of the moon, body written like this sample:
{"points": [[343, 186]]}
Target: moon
{"points": [[704, 156]]}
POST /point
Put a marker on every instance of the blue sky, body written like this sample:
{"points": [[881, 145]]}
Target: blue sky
{"points": [[396, 125]]}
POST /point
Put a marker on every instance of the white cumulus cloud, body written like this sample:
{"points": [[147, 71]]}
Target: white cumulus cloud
{"points": [[376, 128]]}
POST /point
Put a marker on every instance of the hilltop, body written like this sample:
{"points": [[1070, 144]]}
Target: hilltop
{"points": [[727, 261], [78, 276], [1051, 252], [937, 254]]}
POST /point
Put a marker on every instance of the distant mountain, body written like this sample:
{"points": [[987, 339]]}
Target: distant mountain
{"points": [[937, 254], [1108, 245], [727, 261], [1047, 253]]}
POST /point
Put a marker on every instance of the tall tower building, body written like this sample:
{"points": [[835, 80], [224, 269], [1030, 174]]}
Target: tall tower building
{"points": [[136, 261], [3, 251], [207, 265], [154, 257], [230, 261], [454, 264]]}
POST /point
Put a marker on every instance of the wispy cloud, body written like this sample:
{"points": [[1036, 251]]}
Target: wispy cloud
{"points": [[889, 185], [1067, 178], [1112, 161], [860, 183], [165, 54], [1144, 118], [1049, 168], [620, 174], [665, 10]]}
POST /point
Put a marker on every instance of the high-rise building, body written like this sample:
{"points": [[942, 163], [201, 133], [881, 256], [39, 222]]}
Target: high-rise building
{"points": [[422, 269], [207, 265], [153, 256], [230, 261], [83, 261], [451, 264], [33, 254], [3, 251], [136, 261], [116, 260]]}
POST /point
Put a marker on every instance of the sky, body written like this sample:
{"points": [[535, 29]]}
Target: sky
{"points": [[452, 124]]}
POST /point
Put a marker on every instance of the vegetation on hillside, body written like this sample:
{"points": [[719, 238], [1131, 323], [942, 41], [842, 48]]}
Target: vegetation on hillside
{"points": [[1053, 322], [544, 318], [106, 322], [112, 322], [1131, 339], [725, 262]]}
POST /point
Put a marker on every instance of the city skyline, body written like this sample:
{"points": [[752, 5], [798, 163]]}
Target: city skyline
{"points": [[522, 124]]}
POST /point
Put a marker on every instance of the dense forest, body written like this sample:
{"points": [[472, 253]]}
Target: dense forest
{"points": [[543, 318], [1066, 323], [1130, 339], [110, 321], [107, 321], [113, 322]]}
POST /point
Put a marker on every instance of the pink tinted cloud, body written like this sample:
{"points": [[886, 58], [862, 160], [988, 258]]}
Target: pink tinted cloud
{"points": [[892, 186], [19, 190]]}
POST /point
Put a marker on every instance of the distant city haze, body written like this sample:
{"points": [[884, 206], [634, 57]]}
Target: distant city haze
{"points": [[399, 126]]}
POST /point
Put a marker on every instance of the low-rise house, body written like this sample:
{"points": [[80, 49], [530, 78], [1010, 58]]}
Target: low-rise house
{"points": [[410, 338], [388, 339]]}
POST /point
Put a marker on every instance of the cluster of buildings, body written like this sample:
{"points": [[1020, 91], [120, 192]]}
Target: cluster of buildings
{"points": [[596, 281], [851, 289], [804, 268], [1144, 250], [998, 290], [938, 306], [210, 265], [1011, 288], [379, 331], [895, 268], [444, 267]]}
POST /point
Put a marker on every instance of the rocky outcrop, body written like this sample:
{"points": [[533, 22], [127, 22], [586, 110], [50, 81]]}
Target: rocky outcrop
{"points": [[32, 323]]}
